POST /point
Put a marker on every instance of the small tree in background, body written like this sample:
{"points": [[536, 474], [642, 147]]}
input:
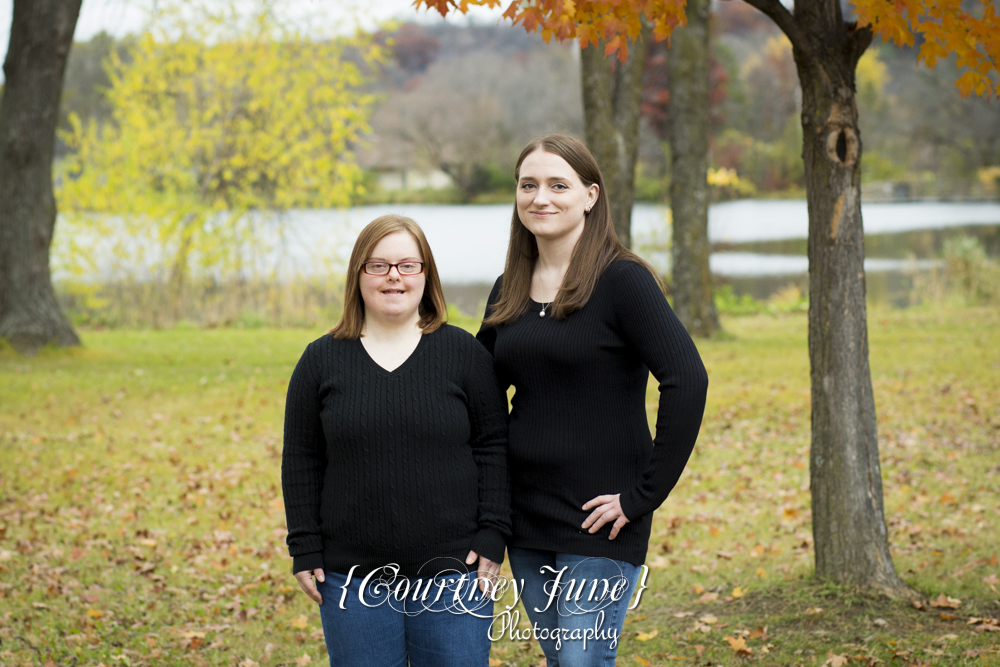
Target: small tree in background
{"points": [[216, 116]]}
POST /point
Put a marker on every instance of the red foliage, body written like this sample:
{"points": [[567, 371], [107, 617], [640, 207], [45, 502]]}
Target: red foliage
{"points": [[656, 90]]}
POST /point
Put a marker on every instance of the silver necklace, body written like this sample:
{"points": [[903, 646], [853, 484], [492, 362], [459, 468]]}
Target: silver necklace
{"points": [[544, 306]]}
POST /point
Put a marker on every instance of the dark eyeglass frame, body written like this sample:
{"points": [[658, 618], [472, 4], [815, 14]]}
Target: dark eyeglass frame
{"points": [[364, 267]]}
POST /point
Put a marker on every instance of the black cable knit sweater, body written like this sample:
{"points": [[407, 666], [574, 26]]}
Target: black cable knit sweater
{"points": [[578, 421], [405, 467]]}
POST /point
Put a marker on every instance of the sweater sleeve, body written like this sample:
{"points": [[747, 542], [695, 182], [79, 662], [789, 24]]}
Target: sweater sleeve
{"points": [[303, 465], [487, 406], [647, 322], [487, 334]]}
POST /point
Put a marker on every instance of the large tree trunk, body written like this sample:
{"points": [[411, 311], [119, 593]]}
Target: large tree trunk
{"points": [[40, 39], [687, 65], [848, 519], [612, 97]]}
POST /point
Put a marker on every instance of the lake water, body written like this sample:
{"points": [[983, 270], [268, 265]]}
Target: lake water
{"points": [[759, 246]]}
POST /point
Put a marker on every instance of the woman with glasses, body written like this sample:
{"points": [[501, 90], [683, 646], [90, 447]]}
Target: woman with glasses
{"points": [[394, 467], [575, 324]]}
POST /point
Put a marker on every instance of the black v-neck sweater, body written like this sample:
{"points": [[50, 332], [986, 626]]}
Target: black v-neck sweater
{"points": [[578, 424], [405, 467]]}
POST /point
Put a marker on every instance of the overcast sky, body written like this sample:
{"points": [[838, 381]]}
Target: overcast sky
{"points": [[120, 17]]}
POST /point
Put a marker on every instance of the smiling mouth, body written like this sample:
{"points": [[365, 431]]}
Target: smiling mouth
{"points": [[392, 291]]}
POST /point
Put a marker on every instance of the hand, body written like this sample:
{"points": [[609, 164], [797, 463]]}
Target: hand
{"points": [[488, 572], [305, 579], [608, 509]]}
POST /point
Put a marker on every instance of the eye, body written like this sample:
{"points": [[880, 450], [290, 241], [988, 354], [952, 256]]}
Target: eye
{"points": [[409, 267], [559, 186], [377, 267], [527, 186]]}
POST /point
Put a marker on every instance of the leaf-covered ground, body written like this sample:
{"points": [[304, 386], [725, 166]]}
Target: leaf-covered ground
{"points": [[141, 520]]}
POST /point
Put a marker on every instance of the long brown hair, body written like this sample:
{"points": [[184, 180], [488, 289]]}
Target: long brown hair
{"points": [[432, 308], [597, 248]]}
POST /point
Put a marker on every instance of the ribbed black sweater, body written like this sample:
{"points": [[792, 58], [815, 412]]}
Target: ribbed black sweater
{"points": [[578, 424], [405, 467]]}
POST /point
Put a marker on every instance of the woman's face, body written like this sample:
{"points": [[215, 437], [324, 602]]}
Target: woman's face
{"points": [[393, 297], [551, 199]]}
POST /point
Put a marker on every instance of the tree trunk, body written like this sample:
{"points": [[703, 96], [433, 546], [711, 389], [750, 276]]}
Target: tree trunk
{"points": [[687, 65], [612, 97], [40, 39], [848, 518]]}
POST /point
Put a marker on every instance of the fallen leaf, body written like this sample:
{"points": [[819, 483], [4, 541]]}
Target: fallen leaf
{"points": [[682, 614], [738, 592], [708, 618], [646, 636], [697, 589], [762, 573], [834, 660], [641, 661], [944, 639], [299, 623], [304, 660], [249, 663], [943, 601], [95, 613], [739, 644], [708, 597], [495, 662], [814, 610], [699, 649]]}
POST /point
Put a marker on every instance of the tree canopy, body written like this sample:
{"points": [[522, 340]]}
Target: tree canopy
{"points": [[969, 30], [218, 115]]}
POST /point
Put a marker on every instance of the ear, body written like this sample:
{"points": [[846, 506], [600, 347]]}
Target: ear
{"points": [[592, 192]]}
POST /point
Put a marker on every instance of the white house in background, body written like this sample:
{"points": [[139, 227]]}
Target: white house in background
{"points": [[399, 168]]}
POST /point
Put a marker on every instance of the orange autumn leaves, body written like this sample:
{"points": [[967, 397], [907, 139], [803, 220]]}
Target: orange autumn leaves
{"points": [[616, 21], [944, 27]]}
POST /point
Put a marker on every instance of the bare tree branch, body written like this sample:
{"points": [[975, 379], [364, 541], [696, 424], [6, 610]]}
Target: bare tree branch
{"points": [[784, 19]]}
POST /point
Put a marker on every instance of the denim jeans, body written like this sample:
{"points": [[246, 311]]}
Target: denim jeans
{"points": [[576, 604], [435, 622]]}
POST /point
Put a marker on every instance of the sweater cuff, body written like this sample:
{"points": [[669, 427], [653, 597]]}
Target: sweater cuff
{"points": [[313, 561], [631, 507], [489, 542]]}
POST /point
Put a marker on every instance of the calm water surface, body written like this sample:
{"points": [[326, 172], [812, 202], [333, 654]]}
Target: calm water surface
{"points": [[759, 246]]}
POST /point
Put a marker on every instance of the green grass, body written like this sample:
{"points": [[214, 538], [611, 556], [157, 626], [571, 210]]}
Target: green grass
{"points": [[141, 520]]}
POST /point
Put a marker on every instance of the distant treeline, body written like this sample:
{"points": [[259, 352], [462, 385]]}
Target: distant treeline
{"points": [[463, 100]]}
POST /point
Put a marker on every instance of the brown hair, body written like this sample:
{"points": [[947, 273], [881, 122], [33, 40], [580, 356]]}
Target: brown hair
{"points": [[597, 248], [432, 309]]}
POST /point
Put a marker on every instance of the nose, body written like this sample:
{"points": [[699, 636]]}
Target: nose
{"points": [[541, 196], [399, 275]]}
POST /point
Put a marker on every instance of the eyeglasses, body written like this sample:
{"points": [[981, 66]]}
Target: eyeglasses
{"points": [[383, 268]]}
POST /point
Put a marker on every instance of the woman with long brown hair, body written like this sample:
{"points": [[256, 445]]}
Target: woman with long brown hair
{"points": [[394, 467], [576, 323]]}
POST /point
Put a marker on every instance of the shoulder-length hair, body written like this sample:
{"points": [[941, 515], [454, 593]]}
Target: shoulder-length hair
{"points": [[433, 310], [597, 248]]}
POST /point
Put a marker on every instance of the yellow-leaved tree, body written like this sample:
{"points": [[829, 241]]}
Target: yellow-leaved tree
{"points": [[221, 119]]}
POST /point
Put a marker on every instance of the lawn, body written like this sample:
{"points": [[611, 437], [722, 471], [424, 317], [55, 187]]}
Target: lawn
{"points": [[141, 520]]}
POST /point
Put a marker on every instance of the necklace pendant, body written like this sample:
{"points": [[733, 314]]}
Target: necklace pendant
{"points": [[541, 314]]}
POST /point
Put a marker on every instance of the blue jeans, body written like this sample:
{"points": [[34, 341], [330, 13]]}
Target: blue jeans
{"points": [[576, 604], [436, 622]]}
